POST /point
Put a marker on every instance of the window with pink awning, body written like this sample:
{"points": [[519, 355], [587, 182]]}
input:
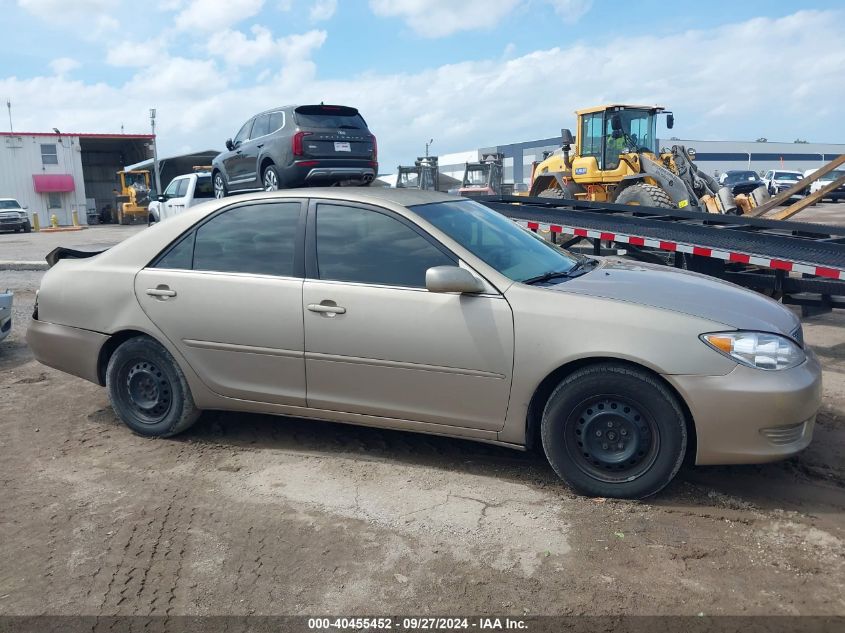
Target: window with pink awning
{"points": [[50, 183]]}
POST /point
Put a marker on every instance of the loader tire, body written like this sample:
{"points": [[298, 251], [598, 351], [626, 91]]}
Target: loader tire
{"points": [[557, 193], [645, 195]]}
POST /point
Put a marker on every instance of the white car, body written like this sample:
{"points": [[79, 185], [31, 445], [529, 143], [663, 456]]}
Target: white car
{"points": [[182, 193], [834, 196], [777, 180], [13, 216]]}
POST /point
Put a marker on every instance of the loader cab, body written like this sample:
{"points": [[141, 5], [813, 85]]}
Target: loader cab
{"points": [[607, 132], [483, 178]]}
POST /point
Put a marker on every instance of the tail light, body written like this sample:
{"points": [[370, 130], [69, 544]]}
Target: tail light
{"points": [[375, 148], [297, 142]]}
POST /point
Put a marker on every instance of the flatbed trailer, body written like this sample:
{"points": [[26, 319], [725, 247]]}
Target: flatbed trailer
{"points": [[800, 263]]}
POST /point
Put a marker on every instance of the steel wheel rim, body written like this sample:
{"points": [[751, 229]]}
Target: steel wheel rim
{"points": [[219, 189], [271, 183], [612, 439], [147, 391]]}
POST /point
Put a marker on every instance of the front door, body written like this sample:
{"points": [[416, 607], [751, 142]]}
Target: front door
{"points": [[176, 198], [237, 170], [378, 343], [228, 295]]}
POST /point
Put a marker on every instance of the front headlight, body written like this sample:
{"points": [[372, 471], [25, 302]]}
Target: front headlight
{"points": [[757, 349]]}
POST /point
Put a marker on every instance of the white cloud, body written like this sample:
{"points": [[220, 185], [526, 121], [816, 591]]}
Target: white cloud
{"points": [[438, 18], [712, 82], [322, 10], [237, 49], [216, 15], [570, 10], [137, 54], [63, 65]]}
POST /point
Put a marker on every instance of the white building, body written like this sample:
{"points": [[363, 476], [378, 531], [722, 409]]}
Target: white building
{"points": [[55, 173]]}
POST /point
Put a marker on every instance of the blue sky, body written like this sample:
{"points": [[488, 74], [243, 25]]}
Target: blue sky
{"points": [[468, 73]]}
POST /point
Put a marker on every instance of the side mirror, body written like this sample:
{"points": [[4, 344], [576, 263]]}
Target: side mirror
{"points": [[670, 120], [691, 153], [452, 279], [162, 198], [229, 144], [566, 137], [616, 123]]}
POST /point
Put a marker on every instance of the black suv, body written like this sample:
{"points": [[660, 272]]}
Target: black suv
{"points": [[297, 146]]}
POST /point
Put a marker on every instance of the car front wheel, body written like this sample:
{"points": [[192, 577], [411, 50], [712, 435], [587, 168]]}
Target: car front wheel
{"points": [[610, 430], [148, 390], [219, 186]]}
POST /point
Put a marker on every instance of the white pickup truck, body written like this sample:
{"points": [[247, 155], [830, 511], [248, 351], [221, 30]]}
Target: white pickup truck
{"points": [[182, 192]]}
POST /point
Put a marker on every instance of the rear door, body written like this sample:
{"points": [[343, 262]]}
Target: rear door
{"points": [[228, 295], [334, 132]]}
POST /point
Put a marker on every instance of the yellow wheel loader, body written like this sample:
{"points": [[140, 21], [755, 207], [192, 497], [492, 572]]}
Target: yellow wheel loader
{"points": [[616, 159], [133, 197]]}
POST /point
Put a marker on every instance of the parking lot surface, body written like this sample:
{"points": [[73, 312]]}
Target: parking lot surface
{"points": [[248, 514]]}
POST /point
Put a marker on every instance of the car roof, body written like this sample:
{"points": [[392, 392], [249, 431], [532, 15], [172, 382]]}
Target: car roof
{"points": [[403, 197]]}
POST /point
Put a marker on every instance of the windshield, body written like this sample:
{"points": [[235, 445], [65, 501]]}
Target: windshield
{"points": [[781, 175], [499, 242], [9, 204], [834, 175], [329, 117], [739, 176], [476, 176]]}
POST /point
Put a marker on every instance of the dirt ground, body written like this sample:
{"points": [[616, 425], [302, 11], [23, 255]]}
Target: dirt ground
{"points": [[247, 514]]}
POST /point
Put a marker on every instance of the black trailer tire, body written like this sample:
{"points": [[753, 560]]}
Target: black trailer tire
{"points": [[610, 430], [148, 390], [645, 195]]}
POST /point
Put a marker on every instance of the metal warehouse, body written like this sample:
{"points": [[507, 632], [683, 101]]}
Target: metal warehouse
{"points": [[56, 173], [715, 157]]}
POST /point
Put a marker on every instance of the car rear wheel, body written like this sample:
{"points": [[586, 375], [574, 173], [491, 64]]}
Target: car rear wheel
{"points": [[220, 190], [610, 430], [148, 390], [270, 179]]}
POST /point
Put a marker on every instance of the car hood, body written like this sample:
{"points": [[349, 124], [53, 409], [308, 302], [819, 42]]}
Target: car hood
{"points": [[685, 292]]}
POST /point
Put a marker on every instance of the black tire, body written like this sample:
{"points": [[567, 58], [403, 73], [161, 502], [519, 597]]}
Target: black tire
{"points": [[148, 390], [27, 228], [270, 180], [600, 408], [645, 195], [221, 190], [556, 193]]}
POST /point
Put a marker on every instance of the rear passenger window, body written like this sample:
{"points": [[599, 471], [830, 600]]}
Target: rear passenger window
{"points": [[258, 239], [365, 246], [180, 256]]}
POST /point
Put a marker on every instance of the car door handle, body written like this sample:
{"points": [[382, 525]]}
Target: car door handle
{"points": [[162, 292], [326, 309]]}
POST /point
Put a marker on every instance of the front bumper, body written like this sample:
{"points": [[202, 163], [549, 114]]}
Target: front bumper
{"points": [[69, 349], [12, 225], [750, 415]]}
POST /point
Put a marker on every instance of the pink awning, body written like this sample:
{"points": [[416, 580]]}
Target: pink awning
{"points": [[46, 183]]}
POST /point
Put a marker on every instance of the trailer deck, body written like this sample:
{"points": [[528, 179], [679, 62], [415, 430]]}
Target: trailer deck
{"points": [[804, 263]]}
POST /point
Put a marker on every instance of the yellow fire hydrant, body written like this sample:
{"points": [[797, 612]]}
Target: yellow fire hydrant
{"points": [[54, 221]]}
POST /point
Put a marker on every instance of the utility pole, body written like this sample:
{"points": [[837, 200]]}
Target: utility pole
{"points": [[430, 142], [9, 107], [155, 151]]}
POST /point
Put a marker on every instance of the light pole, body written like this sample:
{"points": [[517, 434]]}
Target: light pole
{"points": [[430, 142], [9, 106], [155, 151]]}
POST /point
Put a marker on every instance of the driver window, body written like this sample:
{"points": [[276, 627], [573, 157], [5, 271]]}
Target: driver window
{"points": [[170, 192]]}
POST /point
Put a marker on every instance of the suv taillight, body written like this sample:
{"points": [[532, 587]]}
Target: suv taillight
{"points": [[297, 142], [375, 148]]}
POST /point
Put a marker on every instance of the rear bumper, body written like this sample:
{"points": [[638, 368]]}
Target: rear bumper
{"points": [[68, 349], [750, 415], [328, 171]]}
